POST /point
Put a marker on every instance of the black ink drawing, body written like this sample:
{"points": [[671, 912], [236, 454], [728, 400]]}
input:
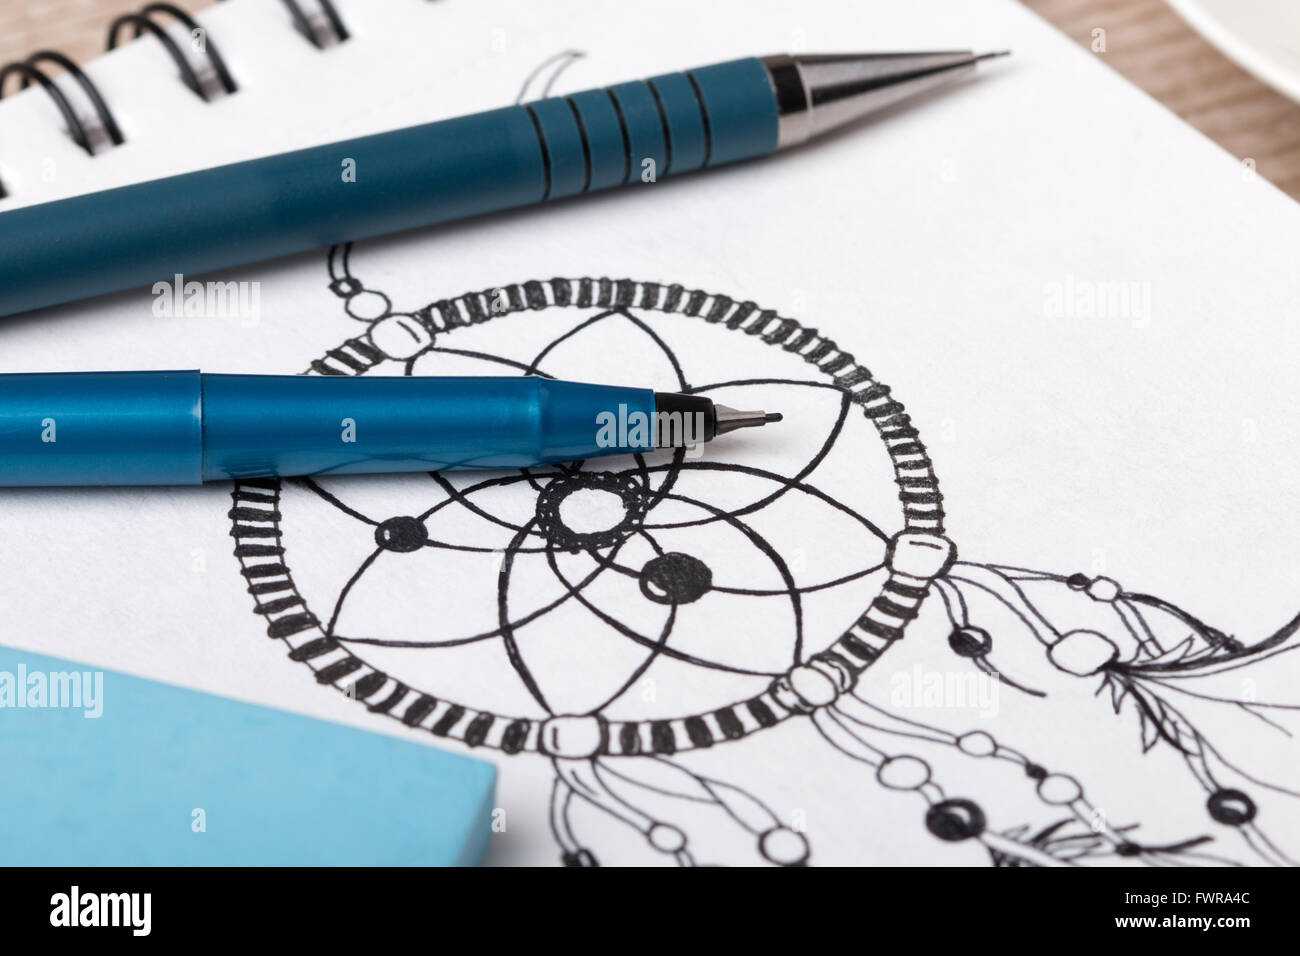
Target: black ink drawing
{"points": [[632, 617], [1148, 658]]}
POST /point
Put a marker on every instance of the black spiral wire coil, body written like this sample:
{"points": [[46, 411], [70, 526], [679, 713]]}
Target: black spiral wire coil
{"points": [[303, 24], [142, 22], [31, 72], [325, 30]]}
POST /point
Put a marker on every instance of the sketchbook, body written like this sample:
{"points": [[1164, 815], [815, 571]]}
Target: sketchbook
{"points": [[1014, 582]]}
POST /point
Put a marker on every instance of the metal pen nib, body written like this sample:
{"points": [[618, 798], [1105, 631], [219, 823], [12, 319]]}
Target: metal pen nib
{"points": [[816, 93], [729, 419], [685, 420]]}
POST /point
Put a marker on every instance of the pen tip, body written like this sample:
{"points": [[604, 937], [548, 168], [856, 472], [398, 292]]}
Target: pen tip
{"points": [[993, 55], [729, 419]]}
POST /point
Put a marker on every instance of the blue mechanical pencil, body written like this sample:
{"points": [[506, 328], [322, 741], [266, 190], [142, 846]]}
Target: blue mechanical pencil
{"points": [[184, 428]]}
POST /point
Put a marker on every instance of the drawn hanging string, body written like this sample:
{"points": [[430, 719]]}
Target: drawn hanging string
{"points": [[971, 642], [626, 790], [952, 819], [1162, 659], [1083, 832]]}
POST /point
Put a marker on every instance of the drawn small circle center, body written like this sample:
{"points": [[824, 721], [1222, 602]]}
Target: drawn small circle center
{"points": [[590, 510]]}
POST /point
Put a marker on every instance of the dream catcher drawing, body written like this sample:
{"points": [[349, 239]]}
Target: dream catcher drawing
{"points": [[709, 580], [631, 618]]}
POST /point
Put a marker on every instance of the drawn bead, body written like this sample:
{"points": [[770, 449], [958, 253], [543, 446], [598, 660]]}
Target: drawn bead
{"points": [[402, 534], [783, 846], [977, 744], [667, 838], [400, 336], [1231, 807], [836, 672], [920, 555], [1082, 652], [1059, 789], [786, 697], [955, 820], [571, 735], [813, 687], [367, 305], [675, 578], [903, 773], [1103, 589], [970, 641]]}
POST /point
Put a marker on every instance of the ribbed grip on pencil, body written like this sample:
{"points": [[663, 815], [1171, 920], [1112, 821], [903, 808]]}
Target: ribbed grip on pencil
{"points": [[646, 129]]}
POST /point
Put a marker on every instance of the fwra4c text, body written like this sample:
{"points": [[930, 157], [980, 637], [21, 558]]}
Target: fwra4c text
{"points": [[1178, 897]]}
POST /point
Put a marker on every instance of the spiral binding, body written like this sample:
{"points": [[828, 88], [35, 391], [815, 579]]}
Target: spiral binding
{"points": [[141, 22], [304, 26], [211, 79]]}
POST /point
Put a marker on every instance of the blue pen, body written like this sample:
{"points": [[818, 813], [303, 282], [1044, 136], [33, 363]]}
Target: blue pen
{"points": [[184, 428], [627, 133]]}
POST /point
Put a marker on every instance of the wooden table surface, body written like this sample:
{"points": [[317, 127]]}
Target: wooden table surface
{"points": [[1145, 41]]}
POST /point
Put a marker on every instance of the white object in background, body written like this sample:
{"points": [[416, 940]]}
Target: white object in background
{"points": [[1260, 36]]}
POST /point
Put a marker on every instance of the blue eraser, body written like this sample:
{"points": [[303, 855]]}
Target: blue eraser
{"points": [[105, 769]]}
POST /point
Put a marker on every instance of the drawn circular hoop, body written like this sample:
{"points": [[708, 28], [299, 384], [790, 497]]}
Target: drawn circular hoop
{"points": [[255, 517]]}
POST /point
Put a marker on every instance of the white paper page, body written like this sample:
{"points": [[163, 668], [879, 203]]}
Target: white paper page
{"points": [[952, 248]]}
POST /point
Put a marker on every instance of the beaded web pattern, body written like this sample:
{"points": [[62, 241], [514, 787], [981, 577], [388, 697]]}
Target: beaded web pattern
{"points": [[1154, 661]]}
